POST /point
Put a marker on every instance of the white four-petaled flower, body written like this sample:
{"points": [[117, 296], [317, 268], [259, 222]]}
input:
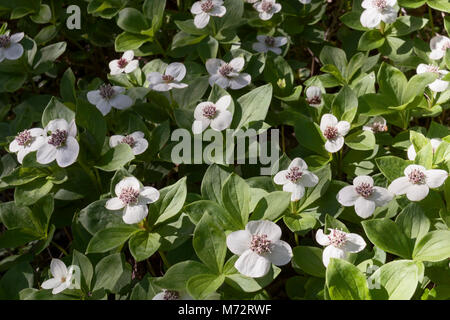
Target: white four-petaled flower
{"points": [[314, 96], [136, 141], [417, 182], [62, 277], [437, 85], [267, 8], [174, 73], [439, 45], [125, 64], [27, 141], [204, 9], [338, 244], [133, 199], [334, 131], [435, 142], [377, 11], [268, 43], [296, 178], [364, 196], [227, 75], [214, 114], [10, 48], [376, 124], [108, 96], [258, 246], [60, 143]]}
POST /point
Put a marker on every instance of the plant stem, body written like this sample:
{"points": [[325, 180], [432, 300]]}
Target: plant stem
{"points": [[60, 248], [430, 15], [164, 259]]}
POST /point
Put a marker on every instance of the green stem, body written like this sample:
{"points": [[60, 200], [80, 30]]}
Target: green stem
{"points": [[150, 268], [382, 27], [430, 15], [60, 248], [164, 259], [297, 242]]}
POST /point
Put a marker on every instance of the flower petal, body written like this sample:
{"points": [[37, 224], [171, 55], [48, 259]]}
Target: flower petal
{"points": [[381, 196], [177, 70], [355, 243], [363, 179], [299, 163], [67, 154], [58, 268], [332, 252], [239, 241], [260, 227], [14, 52], [309, 179], [222, 121], [343, 127], [114, 204], [51, 283], [399, 186], [435, 178], [46, 154], [417, 192], [237, 64], [347, 196], [280, 177], [140, 145], [134, 213], [121, 102], [241, 81], [321, 238], [364, 207], [223, 103], [328, 120], [125, 183], [334, 145], [280, 253], [213, 65], [198, 126], [370, 18], [149, 194], [252, 265]]}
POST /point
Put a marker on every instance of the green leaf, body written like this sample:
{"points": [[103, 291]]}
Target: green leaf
{"points": [[253, 106], [405, 25], [197, 209], [236, 198], [392, 167], [309, 259], [361, 140], [109, 271], [28, 194], [108, 239], [392, 82], [396, 280], [56, 110], [17, 278], [130, 41], [334, 56], [115, 158], [171, 201], [434, 246], [132, 20], [387, 235], [370, 40], [413, 221], [143, 244], [95, 217], [212, 182], [345, 104], [67, 87], [209, 243], [202, 285], [272, 206], [86, 269], [177, 276], [345, 281]]}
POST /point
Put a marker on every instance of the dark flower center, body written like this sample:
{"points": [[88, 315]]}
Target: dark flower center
{"points": [[331, 133], [171, 295], [24, 138], [5, 41], [129, 195], [270, 41], [314, 100], [260, 244], [294, 174], [380, 4], [209, 111], [225, 70], [167, 78], [266, 6], [416, 177], [106, 91], [58, 138], [122, 63], [379, 127], [364, 189], [207, 6], [129, 140], [337, 238]]}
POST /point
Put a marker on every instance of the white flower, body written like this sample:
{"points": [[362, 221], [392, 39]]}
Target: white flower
{"points": [[136, 141], [314, 96], [334, 132], [417, 182], [296, 178], [376, 124], [267, 8], [439, 45], [305, 1], [214, 114], [339, 243], [364, 196], [377, 11], [172, 295], [258, 246], [204, 9], [125, 64], [60, 143], [268, 43], [27, 141], [227, 74], [10, 48], [108, 96], [437, 85], [133, 199], [62, 277], [435, 142], [175, 72]]}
